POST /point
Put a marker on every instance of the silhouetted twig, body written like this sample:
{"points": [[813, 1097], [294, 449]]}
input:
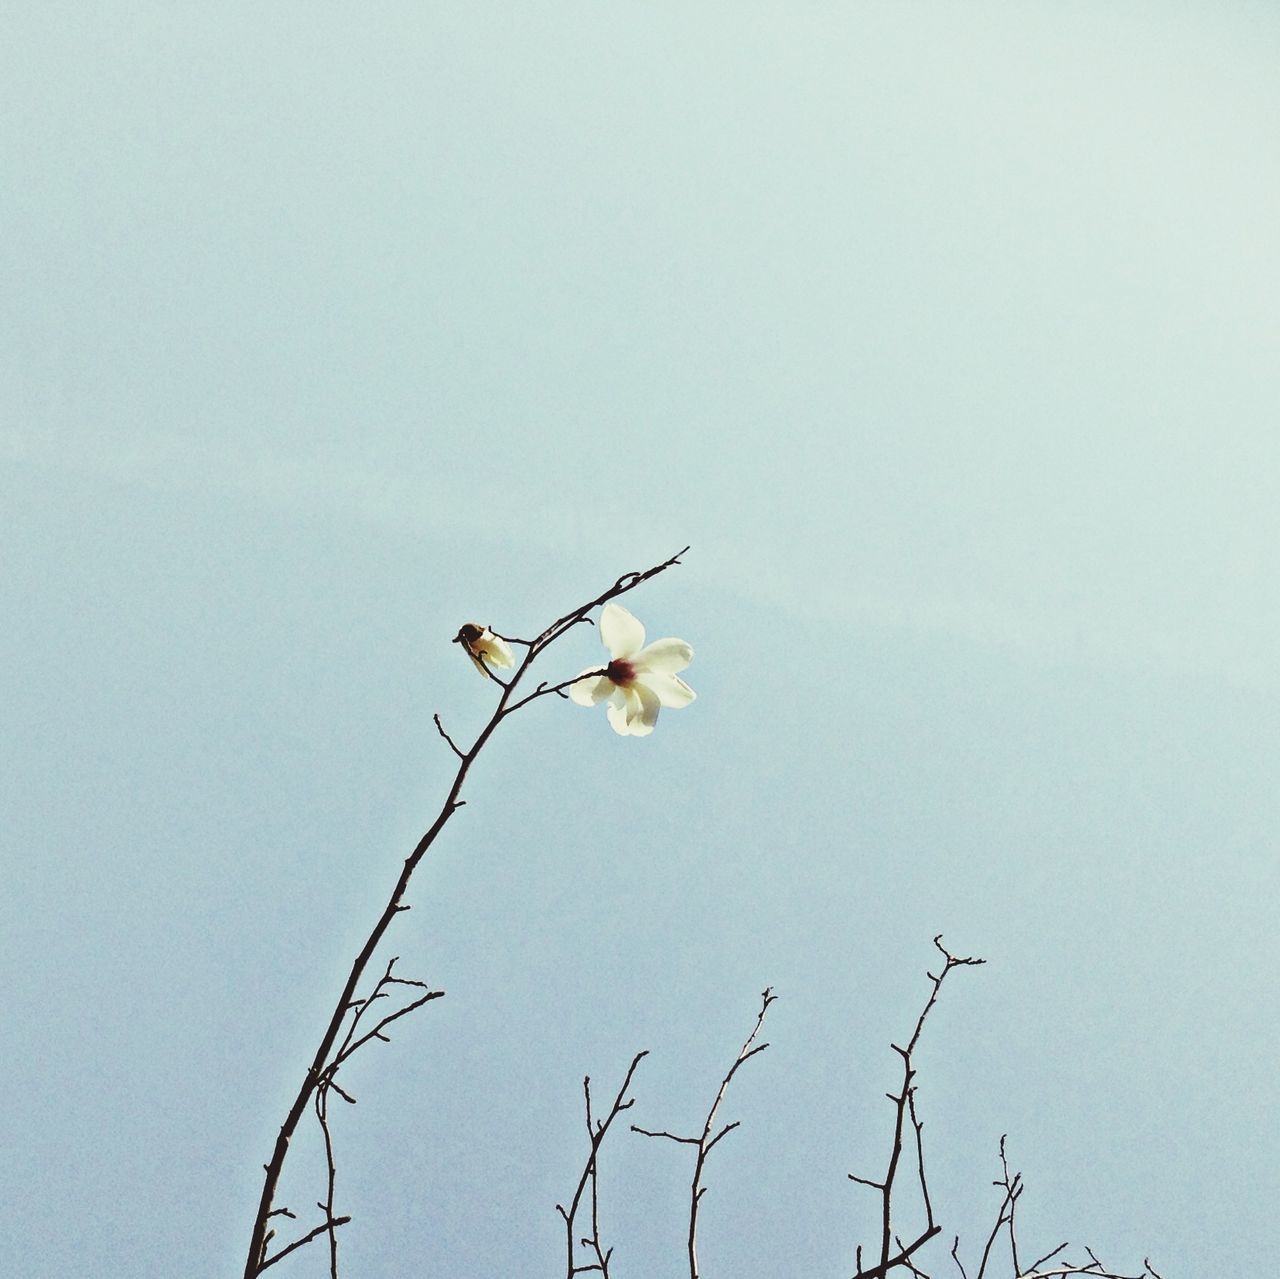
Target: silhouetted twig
{"points": [[706, 1142], [298, 1243], [597, 1129], [904, 1113], [1012, 1186]]}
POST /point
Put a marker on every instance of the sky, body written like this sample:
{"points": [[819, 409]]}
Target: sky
{"points": [[945, 335]]}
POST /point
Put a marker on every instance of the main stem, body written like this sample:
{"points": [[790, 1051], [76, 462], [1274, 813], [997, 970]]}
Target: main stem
{"points": [[506, 705], [253, 1262]]}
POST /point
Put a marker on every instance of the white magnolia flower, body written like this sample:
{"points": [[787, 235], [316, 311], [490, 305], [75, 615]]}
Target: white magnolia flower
{"points": [[638, 680], [481, 645]]}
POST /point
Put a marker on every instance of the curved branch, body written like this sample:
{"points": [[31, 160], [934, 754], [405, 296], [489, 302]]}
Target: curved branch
{"points": [[256, 1259]]}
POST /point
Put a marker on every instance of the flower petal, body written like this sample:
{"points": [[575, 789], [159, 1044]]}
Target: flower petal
{"points": [[591, 692], [670, 690], [621, 633], [642, 718], [617, 713], [665, 655]]}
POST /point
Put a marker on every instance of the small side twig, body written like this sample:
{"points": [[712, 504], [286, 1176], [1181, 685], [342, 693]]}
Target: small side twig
{"points": [[706, 1142], [546, 690], [298, 1243], [453, 746]]}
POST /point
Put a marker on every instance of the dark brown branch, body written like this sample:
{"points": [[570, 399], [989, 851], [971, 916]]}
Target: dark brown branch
{"points": [[512, 639], [596, 1132], [627, 582], [670, 1136], [298, 1243], [1003, 1217], [706, 1141], [376, 1032], [1012, 1186], [457, 750], [1048, 1256], [545, 690], [1093, 1268], [866, 1181], [906, 1260], [331, 1176], [904, 1111], [919, 1130], [256, 1257], [901, 1257]]}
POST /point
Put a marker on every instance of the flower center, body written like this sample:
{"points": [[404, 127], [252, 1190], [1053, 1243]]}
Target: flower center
{"points": [[620, 672]]}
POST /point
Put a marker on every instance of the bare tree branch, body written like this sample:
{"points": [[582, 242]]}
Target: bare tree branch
{"points": [[256, 1258], [706, 1141], [457, 750], [904, 1112], [596, 1132], [298, 1243], [1012, 1186], [326, 1207]]}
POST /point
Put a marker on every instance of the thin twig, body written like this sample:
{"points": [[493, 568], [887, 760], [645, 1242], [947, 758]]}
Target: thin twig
{"points": [[627, 582], [596, 1132], [904, 1112], [1012, 1185], [457, 750], [1048, 1256], [298, 1243], [706, 1141], [1013, 1188], [545, 690], [1094, 1268], [322, 1114]]}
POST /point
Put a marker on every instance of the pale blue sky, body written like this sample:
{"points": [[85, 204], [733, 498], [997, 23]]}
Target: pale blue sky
{"points": [[947, 334]]}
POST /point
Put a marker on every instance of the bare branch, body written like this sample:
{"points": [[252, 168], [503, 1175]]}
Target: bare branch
{"points": [[627, 582], [1011, 1184], [376, 1032], [903, 1102], [322, 1114], [919, 1130], [545, 690], [1048, 1256], [1013, 1188], [322, 1064], [706, 1141], [866, 1181], [670, 1136], [452, 744], [900, 1258], [596, 1132], [298, 1243]]}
